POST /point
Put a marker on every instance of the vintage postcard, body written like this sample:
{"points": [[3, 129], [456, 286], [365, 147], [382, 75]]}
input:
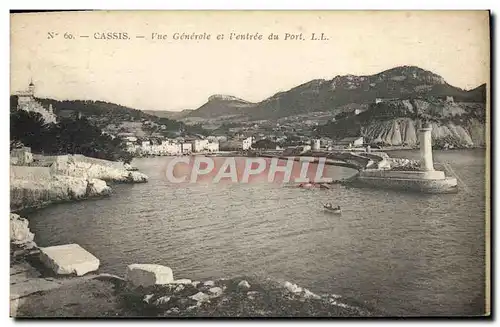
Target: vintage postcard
{"points": [[242, 164]]}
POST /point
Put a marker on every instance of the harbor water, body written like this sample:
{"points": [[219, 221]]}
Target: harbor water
{"points": [[401, 253]]}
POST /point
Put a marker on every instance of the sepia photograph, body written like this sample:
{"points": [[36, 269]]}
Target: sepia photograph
{"points": [[250, 164]]}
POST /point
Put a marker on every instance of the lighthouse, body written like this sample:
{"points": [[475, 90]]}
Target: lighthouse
{"points": [[425, 138]]}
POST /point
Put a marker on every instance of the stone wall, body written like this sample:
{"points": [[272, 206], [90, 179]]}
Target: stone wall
{"points": [[402, 174], [85, 167], [436, 186], [29, 173]]}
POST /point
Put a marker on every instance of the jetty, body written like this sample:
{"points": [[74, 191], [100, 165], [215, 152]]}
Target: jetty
{"points": [[378, 170]]}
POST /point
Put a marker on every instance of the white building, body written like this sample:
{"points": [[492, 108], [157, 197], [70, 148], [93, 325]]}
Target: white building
{"points": [[171, 148], [186, 148], [165, 148], [199, 145], [205, 146], [316, 144], [213, 147], [247, 143]]}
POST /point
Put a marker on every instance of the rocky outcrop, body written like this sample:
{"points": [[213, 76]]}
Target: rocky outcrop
{"points": [[85, 167], [66, 178], [32, 193], [21, 238], [236, 297]]}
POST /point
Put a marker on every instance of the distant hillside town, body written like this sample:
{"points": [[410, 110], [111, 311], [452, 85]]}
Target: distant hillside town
{"points": [[148, 135]]}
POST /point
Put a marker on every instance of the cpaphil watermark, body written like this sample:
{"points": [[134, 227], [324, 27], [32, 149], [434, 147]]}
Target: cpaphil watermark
{"points": [[201, 169]]}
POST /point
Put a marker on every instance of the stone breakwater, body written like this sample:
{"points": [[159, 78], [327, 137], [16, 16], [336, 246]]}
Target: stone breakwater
{"points": [[66, 178], [68, 285]]}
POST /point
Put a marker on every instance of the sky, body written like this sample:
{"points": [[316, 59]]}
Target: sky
{"points": [[170, 74]]}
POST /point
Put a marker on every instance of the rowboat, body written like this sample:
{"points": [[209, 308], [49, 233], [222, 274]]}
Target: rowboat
{"points": [[336, 210]]}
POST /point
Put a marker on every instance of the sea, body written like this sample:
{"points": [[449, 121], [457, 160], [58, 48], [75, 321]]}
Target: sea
{"points": [[402, 254]]}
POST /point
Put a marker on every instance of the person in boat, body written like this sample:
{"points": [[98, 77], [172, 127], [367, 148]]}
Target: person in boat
{"points": [[330, 206]]}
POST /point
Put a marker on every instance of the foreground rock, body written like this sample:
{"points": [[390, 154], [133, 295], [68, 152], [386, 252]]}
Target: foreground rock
{"points": [[21, 237], [146, 275], [236, 298], [68, 259]]}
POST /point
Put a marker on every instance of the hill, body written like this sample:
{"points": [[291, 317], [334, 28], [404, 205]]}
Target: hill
{"points": [[332, 95], [222, 105], [169, 114], [114, 118]]}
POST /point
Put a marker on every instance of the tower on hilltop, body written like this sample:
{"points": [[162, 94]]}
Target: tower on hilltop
{"points": [[31, 88], [26, 101]]}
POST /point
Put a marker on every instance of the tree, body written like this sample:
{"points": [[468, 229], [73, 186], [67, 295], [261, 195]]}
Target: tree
{"points": [[29, 128], [264, 144], [74, 136]]}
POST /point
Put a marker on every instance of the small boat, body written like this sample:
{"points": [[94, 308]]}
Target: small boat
{"points": [[332, 209]]}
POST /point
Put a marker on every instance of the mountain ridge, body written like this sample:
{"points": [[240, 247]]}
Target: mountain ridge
{"points": [[327, 95]]}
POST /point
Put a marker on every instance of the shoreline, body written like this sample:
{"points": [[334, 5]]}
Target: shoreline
{"points": [[255, 152], [434, 149], [65, 178]]}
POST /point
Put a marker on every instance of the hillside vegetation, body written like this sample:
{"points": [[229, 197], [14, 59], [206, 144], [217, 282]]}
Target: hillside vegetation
{"points": [[103, 114]]}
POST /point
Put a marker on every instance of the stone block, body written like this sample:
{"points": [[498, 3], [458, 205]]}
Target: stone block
{"points": [[146, 275], [68, 259]]}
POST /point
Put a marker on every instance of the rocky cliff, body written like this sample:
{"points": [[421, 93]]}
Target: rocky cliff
{"points": [[85, 167], [25, 194], [66, 178], [396, 122], [404, 131]]}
